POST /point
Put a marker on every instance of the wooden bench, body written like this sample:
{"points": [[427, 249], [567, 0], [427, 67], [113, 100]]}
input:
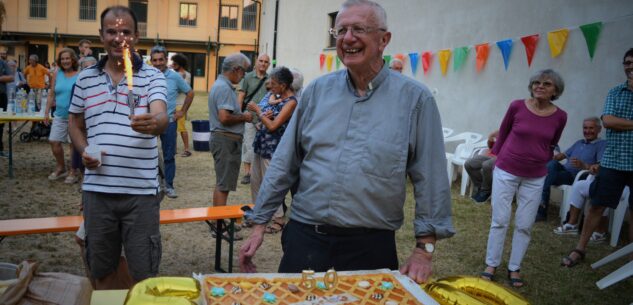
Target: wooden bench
{"points": [[13, 227]]}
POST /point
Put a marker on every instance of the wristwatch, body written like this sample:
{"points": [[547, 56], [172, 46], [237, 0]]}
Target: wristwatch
{"points": [[426, 247]]}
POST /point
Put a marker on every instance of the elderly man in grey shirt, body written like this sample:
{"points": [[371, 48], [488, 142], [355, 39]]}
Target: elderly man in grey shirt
{"points": [[353, 140], [226, 122]]}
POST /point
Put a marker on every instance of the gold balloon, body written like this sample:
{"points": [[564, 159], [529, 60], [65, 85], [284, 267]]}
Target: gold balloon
{"points": [[448, 295], [482, 290], [164, 290]]}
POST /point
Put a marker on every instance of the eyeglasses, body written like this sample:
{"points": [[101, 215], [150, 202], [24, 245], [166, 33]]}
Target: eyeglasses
{"points": [[544, 84], [628, 63], [357, 30]]}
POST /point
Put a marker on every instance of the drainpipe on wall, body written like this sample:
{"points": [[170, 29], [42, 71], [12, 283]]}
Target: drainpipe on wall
{"points": [[259, 25], [275, 34], [217, 48]]}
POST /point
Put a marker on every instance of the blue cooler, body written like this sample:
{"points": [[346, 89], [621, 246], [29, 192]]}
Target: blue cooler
{"points": [[201, 135]]}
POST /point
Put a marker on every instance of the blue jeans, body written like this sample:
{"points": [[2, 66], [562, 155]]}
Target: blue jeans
{"points": [[556, 175], [168, 144]]}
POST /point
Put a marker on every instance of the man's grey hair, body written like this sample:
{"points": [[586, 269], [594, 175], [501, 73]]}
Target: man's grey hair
{"points": [[594, 119], [379, 11], [559, 84], [235, 60], [395, 60], [35, 57], [297, 82]]}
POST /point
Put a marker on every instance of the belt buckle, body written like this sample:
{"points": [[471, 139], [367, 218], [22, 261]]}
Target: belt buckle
{"points": [[316, 229]]}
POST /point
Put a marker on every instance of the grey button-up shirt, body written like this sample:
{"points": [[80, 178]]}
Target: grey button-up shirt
{"points": [[223, 96], [352, 154]]}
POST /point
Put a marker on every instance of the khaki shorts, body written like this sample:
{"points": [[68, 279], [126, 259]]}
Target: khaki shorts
{"points": [[182, 122], [227, 154]]}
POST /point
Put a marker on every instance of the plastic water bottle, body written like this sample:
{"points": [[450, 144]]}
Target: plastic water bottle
{"points": [[18, 102], [11, 106], [43, 101], [31, 103]]}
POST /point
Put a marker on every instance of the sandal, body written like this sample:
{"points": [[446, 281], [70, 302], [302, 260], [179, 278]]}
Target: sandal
{"points": [[569, 261], [185, 154], [54, 176], [488, 276], [515, 282], [274, 227]]}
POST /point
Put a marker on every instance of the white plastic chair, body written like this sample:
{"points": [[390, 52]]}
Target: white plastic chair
{"points": [[566, 189], [447, 132], [617, 217], [619, 274], [467, 137], [456, 162]]}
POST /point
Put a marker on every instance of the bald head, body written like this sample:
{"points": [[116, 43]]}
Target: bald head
{"points": [[263, 61], [396, 65]]}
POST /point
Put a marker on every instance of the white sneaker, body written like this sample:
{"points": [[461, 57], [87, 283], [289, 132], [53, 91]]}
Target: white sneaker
{"points": [[597, 237], [566, 229], [170, 192]]}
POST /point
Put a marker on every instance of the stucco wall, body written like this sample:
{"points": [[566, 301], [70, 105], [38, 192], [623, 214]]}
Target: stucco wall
{"points": [[469, 100]]}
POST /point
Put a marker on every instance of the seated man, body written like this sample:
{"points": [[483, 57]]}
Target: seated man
{"points": [[480, 168], [581, 155]]}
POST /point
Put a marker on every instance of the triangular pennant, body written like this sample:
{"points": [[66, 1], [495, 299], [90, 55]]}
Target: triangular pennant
{"points": [[321, 61], [530, 43], [413, 58], [482, 51], [328, 62], [399, 56], [338, 63], [557, 40], [591, 32], [445, 57], [387, 59], [459, 56], [506, 48], [426, 61]]}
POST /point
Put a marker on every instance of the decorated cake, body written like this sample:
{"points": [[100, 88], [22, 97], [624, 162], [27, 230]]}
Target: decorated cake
{"points": [[307, 289]]}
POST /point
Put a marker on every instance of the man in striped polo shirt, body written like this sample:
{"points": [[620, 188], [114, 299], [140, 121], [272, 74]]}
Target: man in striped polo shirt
{"points": [[120, 193]]}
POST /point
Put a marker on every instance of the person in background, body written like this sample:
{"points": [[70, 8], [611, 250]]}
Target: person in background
{"points": [[251, 88], [616, 165], [175, 85], [35, 73], [396, 65], [84, 51], [529, 131], [582, 155], [274, 120], [179, 62], [59, 97], [6, 77], [479, 169]]}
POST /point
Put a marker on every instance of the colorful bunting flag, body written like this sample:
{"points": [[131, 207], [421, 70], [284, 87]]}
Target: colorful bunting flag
{"points": [[506, 48], [413, 58], [482, 51], [530, 43], [426, 61], [321, 61], [445, 57], [328, 61], [557, 40], [387, 59], [400, 56], [459, 56], [591, 32], [338, 63]]}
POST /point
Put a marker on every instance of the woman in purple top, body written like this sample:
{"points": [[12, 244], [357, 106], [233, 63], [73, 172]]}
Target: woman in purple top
{"points": [[527, 135]]}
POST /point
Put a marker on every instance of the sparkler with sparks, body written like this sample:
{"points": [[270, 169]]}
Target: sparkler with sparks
{"points": [[127, 63]]}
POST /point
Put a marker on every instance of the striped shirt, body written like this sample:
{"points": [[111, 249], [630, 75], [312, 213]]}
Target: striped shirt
{"points": [[130, 163], [619, 152]]}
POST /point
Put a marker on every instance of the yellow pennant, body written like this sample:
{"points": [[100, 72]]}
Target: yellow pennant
{"points": [[328, 62], [445, 56], [557, 40]]}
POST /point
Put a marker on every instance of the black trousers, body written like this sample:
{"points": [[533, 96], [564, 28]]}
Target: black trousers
{"points": [[304, 248]]}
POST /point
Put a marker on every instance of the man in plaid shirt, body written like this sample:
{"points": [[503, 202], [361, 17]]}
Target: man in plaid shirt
{"points": [[616, 166]]}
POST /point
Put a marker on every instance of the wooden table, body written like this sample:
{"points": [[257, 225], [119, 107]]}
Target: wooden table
{"points": [[8, 118]]}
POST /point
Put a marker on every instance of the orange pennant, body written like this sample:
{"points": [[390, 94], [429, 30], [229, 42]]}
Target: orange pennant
{"points": [[482, 50], [445, 57], [557, 40]]}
